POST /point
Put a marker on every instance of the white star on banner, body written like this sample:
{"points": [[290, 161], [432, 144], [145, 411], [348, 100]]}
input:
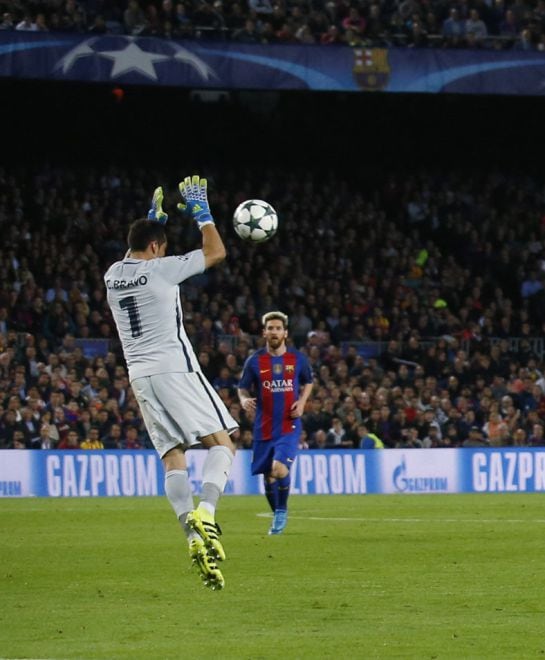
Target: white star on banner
{"points": [[83, 50], [186, 57], [133, 58]]}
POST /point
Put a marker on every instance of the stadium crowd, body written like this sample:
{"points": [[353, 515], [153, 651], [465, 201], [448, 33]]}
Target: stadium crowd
{"points": [[420, 305], [497, 24]]}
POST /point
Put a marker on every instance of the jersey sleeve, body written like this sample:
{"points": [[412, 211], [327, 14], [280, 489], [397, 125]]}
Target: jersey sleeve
{"points": [[247, 376], [181, 267], [305, 370]]}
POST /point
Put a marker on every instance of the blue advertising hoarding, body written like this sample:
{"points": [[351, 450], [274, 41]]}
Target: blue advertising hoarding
{"points": [[230, 65], [26, 473]]}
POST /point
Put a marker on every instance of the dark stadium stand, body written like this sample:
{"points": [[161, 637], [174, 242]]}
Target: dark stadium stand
{"points": [[409, 23], [414, 280]]}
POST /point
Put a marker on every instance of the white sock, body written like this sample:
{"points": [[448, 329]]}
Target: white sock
{"points": [[178, 492], [215, 472], [207, 507]]}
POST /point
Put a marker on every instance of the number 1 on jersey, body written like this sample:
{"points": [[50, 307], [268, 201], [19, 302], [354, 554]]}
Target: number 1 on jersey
{"points": [[129, 304]]}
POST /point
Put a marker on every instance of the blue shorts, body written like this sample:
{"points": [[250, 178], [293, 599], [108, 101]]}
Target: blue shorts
{"points": [[283, 449]]}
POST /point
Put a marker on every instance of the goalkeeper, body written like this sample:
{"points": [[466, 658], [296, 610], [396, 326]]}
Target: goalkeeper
{"points": [[179, 407]]}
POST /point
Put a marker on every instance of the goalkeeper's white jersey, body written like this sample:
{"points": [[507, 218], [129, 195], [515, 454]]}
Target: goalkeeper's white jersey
{"points": [[145, 301]]}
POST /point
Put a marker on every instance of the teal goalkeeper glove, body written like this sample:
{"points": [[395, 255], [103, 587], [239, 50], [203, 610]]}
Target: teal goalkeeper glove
{"points": [[156, 213], [194, 193]]}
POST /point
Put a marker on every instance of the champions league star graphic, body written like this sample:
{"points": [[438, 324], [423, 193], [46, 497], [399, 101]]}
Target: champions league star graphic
{"points": [[227, 65], [131, 56]]}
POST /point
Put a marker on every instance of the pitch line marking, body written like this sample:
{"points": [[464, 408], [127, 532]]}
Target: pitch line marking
{"points": [[412, 520]]}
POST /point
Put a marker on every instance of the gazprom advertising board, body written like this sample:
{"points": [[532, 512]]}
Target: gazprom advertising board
{"points": [[328, 472]]}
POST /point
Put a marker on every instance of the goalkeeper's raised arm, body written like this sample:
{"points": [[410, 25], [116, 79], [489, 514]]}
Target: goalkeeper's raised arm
{"points": [[194, 192]]}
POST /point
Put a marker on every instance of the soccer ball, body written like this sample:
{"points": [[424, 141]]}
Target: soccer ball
{"points": [[255, 220]]}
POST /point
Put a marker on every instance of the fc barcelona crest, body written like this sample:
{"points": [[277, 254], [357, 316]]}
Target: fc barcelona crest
{"points": [[290, 368], [371, 68]]}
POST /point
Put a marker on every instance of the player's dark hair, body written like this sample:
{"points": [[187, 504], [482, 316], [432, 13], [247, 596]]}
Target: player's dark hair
{"points": [[275, 316], [143, 232]]}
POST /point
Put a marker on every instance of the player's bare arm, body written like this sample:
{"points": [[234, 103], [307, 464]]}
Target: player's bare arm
{"points": [[212, 246], [298, 407], [247, 402]]}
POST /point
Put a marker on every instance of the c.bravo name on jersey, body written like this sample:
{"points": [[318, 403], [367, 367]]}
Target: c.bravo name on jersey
{"points": [[142, 280]]}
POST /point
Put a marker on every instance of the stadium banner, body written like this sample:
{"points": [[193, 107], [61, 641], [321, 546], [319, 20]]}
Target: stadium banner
{"points": [[25, 473], [104, 473], [212, 65]]}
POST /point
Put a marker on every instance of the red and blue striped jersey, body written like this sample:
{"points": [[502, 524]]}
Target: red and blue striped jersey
{"points": [[275, 381]]}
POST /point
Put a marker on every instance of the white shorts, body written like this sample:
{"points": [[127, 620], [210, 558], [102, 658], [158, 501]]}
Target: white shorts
{"points": [[180, 409]]}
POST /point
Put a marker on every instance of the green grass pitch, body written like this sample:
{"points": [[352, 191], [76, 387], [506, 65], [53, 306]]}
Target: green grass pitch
{"points": [[454, 576]]}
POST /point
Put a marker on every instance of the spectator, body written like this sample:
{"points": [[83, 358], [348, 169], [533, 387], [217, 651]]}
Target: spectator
{"points": [[304, 34], [26, 24], [496, 15], [262, 8], [336, 434], [453, 28], [354, 21], [537, 437], [519, 438], [46, 438], [510, 28], [433, 437], [99, 25], [209, 17], [476, 27], [130, 439], [316, 418], [368, 440], [248, 34], [475, 438], [376, 28], [318, 440], [235, 19], [92, 441], [72, 441], [225, 380], [134, 18], [531, 284], [331, 36], [40, 23], [286, 33], [8, 427], [18, 441], [417, 38], [30, 423], [496, 430], [183, 25], [349, 406], [6, 24]]}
